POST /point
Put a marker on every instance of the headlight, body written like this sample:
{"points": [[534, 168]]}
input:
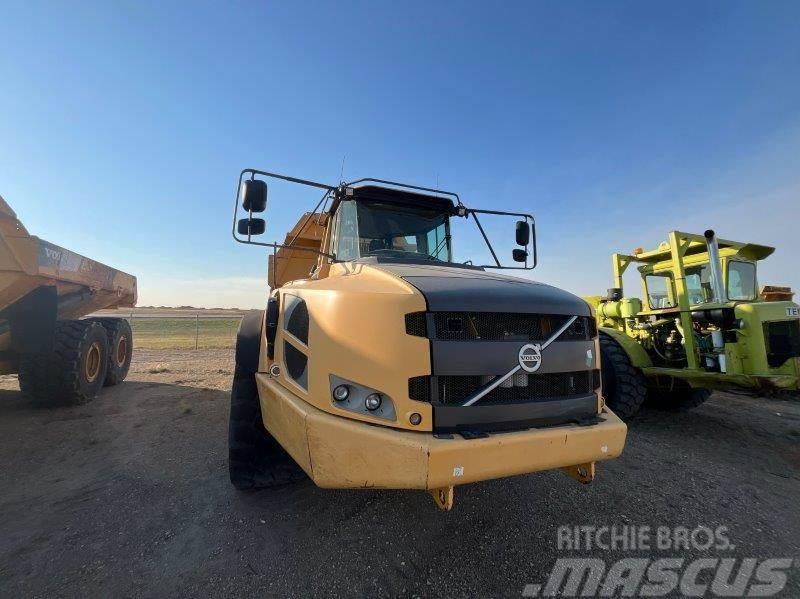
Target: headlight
{"points": [[350, 396], [373, 402]]}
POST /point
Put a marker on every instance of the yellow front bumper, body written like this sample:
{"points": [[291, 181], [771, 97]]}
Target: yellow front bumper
{"points": [[338, 452]]}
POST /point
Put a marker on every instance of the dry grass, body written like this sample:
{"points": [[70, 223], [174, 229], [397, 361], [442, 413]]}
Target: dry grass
{"points": [[180, 333]]}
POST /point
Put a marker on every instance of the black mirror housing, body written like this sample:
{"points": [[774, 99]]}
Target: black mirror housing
{"points": [[253, 226], [254, 194], [520, 255], [523, 233]]}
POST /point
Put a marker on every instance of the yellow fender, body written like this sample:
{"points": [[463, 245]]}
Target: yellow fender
{"points": [[636, 353]]}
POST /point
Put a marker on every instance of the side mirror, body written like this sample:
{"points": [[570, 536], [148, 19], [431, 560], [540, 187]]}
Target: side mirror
{"points": [[254, 192], [523, 234], [520, 255], [253, 226]]}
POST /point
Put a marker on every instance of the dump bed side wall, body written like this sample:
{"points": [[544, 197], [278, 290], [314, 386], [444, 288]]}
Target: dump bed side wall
{"points": [[41, 282], [27, 262], [297, 264], [110, 288]]}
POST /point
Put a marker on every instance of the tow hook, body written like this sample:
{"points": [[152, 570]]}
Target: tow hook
{"points": [[583, 473], [443, 498]]}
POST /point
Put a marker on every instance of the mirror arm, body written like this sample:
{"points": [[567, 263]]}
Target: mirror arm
{"points": [[279, 246], [528, 218], [254, 172], [486, 239]]}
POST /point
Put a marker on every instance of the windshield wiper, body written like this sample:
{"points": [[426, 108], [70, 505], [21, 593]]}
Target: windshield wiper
{"points": [[435, 255]]}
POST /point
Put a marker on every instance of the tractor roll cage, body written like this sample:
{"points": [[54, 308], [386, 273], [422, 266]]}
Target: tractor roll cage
{"points": [[337, 193]]}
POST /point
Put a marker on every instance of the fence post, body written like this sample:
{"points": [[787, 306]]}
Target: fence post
{"points": [[196, 329]]}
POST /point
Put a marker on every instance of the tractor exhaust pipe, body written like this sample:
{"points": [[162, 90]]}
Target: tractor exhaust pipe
{"points": [[716, 267]]}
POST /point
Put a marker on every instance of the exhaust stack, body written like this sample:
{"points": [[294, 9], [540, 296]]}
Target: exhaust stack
{"points": [[716, 267]]}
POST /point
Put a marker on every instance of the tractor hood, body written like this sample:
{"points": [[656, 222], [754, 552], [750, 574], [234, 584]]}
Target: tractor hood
{"points": [[457, 289]]}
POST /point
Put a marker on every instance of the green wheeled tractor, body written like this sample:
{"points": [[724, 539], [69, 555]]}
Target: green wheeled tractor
{"points": [[702, 326]]}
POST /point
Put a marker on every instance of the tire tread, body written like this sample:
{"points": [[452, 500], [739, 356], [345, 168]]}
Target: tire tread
{"points": [[630, 386], [54, 378]]}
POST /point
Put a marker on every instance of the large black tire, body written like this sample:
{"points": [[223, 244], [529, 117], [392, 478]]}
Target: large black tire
{"points": [[679, 398], [255, 459], [624, 386], [74, 372], [120, 349]]}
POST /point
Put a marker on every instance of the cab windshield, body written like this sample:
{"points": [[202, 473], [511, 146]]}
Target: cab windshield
{"points": [[368, 228], [698, 284]]}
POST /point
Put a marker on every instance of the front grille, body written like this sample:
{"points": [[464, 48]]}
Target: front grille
{"points": [[415, 324], [419, 388], [584, 328], [783, 341], [519, 388], [504, 326]]}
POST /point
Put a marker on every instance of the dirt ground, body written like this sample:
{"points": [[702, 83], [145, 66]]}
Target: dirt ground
{"points": [[128, 496]]}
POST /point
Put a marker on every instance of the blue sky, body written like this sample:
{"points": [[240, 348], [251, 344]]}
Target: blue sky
{"points": [[123, 126]]}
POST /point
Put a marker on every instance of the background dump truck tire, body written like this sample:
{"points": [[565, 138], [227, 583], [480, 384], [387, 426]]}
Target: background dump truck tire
{"points": [[624, 386], [120, 349], [74, 372], [255, 459], [681, 398]]}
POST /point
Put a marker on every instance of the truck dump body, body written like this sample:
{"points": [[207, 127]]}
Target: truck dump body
{"points": [[27, 262], [41, 282]]}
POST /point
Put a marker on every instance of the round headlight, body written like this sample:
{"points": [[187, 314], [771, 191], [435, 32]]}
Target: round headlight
{"points": [[341, 393], [373, 402]]}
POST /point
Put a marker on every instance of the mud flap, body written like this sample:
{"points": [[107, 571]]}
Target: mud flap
{"points": [[32, 320]]}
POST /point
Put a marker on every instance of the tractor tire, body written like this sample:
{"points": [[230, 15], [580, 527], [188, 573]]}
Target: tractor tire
{"points": [[681, 398], [624, 385], [255, 459], [120, 349], [74, 372]]}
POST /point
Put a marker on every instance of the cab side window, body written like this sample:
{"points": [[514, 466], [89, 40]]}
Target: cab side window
{"points": [[659, 291], [741, 280]]}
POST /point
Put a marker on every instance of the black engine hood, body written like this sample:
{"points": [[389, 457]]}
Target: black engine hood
{"points": [[453, 289]]}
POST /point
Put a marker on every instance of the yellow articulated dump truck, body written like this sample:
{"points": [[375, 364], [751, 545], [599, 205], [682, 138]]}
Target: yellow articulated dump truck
{"points": [[381, 362], [44, 291]]}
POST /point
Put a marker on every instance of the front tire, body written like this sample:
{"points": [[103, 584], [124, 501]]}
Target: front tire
{"points": [[255, 459], [74, 372], [624, 387]]}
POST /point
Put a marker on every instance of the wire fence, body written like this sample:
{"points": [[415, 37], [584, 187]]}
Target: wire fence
{"points": [[190, 331]]}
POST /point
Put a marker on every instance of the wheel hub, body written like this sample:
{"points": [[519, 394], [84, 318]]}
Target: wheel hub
{"points": [[92, 364]]}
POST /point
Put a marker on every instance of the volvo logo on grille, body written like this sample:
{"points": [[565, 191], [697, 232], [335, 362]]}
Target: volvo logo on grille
{"points": [[530, 357]]}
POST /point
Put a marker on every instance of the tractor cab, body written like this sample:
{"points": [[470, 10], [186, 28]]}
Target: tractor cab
{"points": [[737, 270], [737, 263]]}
